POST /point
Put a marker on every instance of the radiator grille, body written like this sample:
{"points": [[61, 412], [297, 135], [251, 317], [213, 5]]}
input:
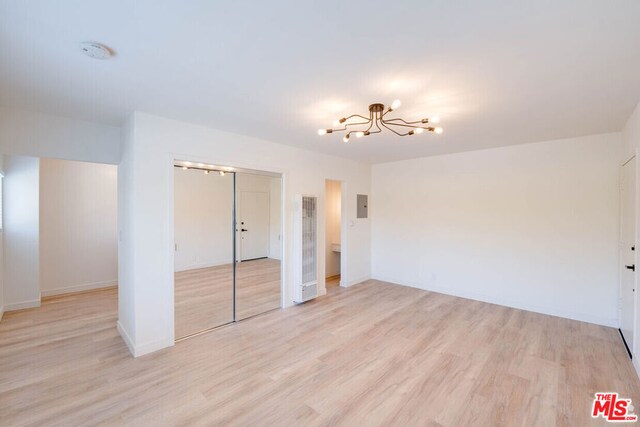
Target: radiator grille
{"points": [[309, 240]]}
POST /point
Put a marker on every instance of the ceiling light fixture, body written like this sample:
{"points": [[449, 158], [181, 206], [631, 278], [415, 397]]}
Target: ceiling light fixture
{"points": [[378, 119], [207, 169]]}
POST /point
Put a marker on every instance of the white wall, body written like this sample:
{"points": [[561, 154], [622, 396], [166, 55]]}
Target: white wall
{"points": [[631, 142], [43, 135], [631, 135], [275, 218], [126, 237], [21, 233], [146, 213], [1, 246], [530, 226], [203, 218], [333, 227], [78, 226], [2, 309]]}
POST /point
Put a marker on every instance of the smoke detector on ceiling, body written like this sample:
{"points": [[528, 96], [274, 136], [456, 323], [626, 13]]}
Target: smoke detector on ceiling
{"points": [[96, 50]]}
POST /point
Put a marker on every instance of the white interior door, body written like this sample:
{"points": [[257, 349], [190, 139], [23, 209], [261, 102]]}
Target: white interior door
{"points": [[254, 225], [627, 251]]}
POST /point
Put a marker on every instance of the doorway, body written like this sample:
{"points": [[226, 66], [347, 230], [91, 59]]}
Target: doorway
{"points": [[627, 253], [58, 250], [333, 234], [227, 246]]}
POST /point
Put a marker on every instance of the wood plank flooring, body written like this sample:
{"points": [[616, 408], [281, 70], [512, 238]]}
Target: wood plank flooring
{"points": [[373, 354], [204, 296]]}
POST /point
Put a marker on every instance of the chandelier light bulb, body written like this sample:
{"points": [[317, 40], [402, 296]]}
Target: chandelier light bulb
{"points": [[359, 134], [419, 130], [396, 104], [336, 123], [346, 138], [222, 173], [438, 130], [322, 131], [434, 119], [207, 172]]}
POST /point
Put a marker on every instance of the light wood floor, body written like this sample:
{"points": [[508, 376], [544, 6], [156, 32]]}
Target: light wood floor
{"points": [[372, 354], [332, 282], [204, 297]]}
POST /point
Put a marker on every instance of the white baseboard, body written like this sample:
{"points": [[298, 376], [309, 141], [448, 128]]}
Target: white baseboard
{"points": [[141, 350], [582, 317], [348, 283], [200, 265], [22, 305], [79, 288], [126, 338]]}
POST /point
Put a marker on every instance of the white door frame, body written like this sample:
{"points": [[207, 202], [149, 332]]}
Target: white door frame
{"points": [[344, 225], [635, 331]]}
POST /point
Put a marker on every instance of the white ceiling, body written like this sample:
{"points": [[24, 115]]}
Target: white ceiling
{"points": [[497, 72]]}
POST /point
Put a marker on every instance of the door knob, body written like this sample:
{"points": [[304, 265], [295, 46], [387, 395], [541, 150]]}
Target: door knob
{"points": [[631, 267]]}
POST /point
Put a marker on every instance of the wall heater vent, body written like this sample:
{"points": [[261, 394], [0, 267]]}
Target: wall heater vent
{"points": [[306, 249]]}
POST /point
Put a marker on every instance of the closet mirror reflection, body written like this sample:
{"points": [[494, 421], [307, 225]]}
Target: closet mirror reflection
{"points": [[259, 244], [203, 257], [222, 216]]}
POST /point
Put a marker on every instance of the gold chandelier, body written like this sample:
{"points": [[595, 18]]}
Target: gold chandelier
{"points": [[377, 120]]}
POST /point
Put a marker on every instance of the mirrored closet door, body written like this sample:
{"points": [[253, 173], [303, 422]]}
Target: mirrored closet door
{"points": [[222, 216], [203, 258], [259, 244]]}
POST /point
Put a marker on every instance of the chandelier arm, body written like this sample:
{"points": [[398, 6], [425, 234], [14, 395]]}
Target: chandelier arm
{"points": [[370, 122], [378, 120], [356, 124], [349, 124], [356, 115], [407, 126], [393, 130], [403, 121]]}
